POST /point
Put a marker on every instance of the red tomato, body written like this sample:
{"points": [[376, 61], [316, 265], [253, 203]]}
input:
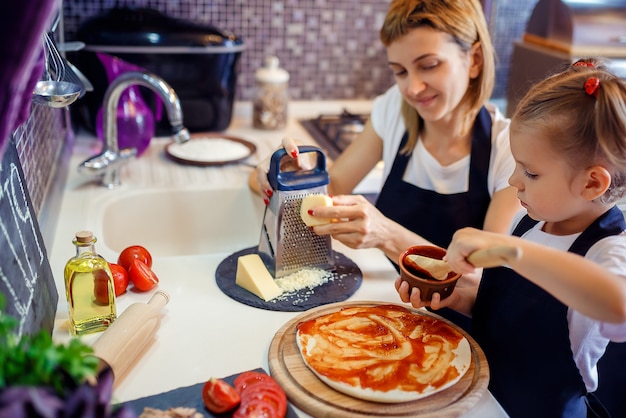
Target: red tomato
{"points": [[133, 252], [256, 408], [249, 378], [120, 278], [101, 287], [272, 394], [261, 396], [218, 396], [142, 276]]}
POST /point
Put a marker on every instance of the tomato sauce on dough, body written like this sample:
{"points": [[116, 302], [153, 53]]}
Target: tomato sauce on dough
{"points": [[383, 348]]}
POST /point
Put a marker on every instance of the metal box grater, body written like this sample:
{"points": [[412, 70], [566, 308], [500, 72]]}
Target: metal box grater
{"points": [[289, 244]]}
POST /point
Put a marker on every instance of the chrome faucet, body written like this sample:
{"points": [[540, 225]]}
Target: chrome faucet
{"points": [[108, 162]]}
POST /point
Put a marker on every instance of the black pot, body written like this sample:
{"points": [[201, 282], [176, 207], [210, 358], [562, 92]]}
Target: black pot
{"points": [[199, 61]]}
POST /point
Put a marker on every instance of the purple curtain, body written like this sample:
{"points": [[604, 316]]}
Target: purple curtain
{"points": [[22, 25]]}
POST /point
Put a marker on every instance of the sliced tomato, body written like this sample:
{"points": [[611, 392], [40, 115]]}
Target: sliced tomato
{"points": [[142, 276], [219, 397], [272, 394], [260, 395], [134, 252], [256, 408], [120, 278], [249, 378]]}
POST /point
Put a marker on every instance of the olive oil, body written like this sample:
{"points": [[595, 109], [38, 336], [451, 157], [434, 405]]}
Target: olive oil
{"points": [[89, 288]]}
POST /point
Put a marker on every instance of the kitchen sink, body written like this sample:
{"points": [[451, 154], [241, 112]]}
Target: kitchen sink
{"points": [[183, 222]]}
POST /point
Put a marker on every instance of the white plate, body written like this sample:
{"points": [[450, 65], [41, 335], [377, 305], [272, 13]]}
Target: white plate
{"points": [[210, 149]]}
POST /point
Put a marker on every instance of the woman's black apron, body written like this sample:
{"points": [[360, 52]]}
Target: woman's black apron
{"points": [[524, 333], [436, 216]]}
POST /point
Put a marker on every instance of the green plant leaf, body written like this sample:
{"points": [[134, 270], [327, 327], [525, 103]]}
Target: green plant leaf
{"points": [[35, 360]]}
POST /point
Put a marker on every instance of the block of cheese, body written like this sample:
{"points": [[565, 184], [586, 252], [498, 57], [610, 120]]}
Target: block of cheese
{"points": [[314, 201], [253, 276]]}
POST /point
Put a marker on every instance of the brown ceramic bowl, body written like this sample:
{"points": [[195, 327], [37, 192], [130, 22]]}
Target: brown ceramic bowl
{"points": [[421, 279]]}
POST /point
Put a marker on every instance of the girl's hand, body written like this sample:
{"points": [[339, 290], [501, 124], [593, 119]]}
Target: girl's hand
{"points": [[356, 222], [290, 146], [466, 241]]}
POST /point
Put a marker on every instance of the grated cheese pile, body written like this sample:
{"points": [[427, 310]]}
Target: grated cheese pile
{"points": [[306, 278]]}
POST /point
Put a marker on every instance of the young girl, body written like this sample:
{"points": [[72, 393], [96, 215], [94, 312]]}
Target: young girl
{"points": [[445, 149], [545, 320]]}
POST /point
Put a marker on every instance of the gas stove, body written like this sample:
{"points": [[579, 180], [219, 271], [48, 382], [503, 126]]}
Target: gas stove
{"points": [[334, 132]]}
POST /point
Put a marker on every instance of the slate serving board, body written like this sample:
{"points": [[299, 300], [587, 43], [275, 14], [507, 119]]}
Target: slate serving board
{"points": [[190, 397], [347, 279]]}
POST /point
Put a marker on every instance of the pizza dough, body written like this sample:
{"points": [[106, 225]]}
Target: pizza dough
{"points": [[383, 353]]}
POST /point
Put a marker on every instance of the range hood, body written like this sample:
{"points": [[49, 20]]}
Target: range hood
{"points": [[579, 27], [560, 32]]}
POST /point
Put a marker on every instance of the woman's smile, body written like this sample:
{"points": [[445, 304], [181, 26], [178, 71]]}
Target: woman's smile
{"points": [[425, 101]]}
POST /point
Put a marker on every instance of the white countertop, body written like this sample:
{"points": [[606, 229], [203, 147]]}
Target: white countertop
{"points": [[203, 333]]}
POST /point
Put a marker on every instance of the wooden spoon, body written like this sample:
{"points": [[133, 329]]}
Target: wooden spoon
{"points": [[489, 257]]}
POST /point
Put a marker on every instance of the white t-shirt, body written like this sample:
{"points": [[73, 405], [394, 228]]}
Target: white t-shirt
{"points": [[588, 337], [423, 170]]}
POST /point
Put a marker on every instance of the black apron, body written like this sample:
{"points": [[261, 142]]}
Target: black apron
{"points": [[524, 333], [436, 217]]}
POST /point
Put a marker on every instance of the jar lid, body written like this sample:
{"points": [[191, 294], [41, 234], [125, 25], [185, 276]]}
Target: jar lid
{"points": [[271, 72]]}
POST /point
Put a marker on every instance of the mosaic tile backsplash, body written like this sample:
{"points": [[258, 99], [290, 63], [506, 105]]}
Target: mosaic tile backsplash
{"points": [[39, 142], [330, 47]]}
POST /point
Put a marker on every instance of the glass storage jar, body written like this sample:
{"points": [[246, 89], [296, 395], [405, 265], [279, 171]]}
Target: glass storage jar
{"points": [[271, 97]]}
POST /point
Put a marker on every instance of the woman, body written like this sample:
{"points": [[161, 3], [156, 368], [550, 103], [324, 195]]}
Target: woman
{"points": [[445, 149]]}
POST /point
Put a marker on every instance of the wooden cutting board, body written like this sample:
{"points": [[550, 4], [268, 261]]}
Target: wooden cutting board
{"points": [[314, 397]]}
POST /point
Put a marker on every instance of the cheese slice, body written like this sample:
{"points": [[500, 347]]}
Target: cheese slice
{"points": [[314, 201], [253, 276]]}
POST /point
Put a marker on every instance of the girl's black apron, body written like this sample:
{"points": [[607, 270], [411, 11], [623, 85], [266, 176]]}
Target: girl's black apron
{"points": [[436, 216], [524, 333]]}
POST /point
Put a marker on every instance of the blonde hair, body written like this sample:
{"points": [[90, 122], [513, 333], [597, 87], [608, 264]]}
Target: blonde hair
{"points": [[465, 22], [586, 128]]}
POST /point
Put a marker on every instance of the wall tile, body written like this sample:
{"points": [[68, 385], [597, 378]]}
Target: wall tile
{"points": [[39, 141], [330, 47]]}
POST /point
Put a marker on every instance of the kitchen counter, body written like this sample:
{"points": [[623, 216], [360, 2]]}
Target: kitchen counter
{"points": [[203, 332]]}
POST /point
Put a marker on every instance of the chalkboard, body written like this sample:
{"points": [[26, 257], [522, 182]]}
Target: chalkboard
{"points": [[26, 278]]}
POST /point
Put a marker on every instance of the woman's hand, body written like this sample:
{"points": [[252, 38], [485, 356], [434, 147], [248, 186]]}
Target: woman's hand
{"points": [[413, 297], [259, 182], [461, 300], [356, 222], [359, 224]]}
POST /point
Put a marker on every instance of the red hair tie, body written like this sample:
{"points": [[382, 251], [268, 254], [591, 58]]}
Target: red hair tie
{"points": [[592, 86], [582, 63]]}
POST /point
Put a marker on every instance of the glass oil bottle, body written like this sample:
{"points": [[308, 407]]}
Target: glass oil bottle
{"points": [[89, 288]]}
